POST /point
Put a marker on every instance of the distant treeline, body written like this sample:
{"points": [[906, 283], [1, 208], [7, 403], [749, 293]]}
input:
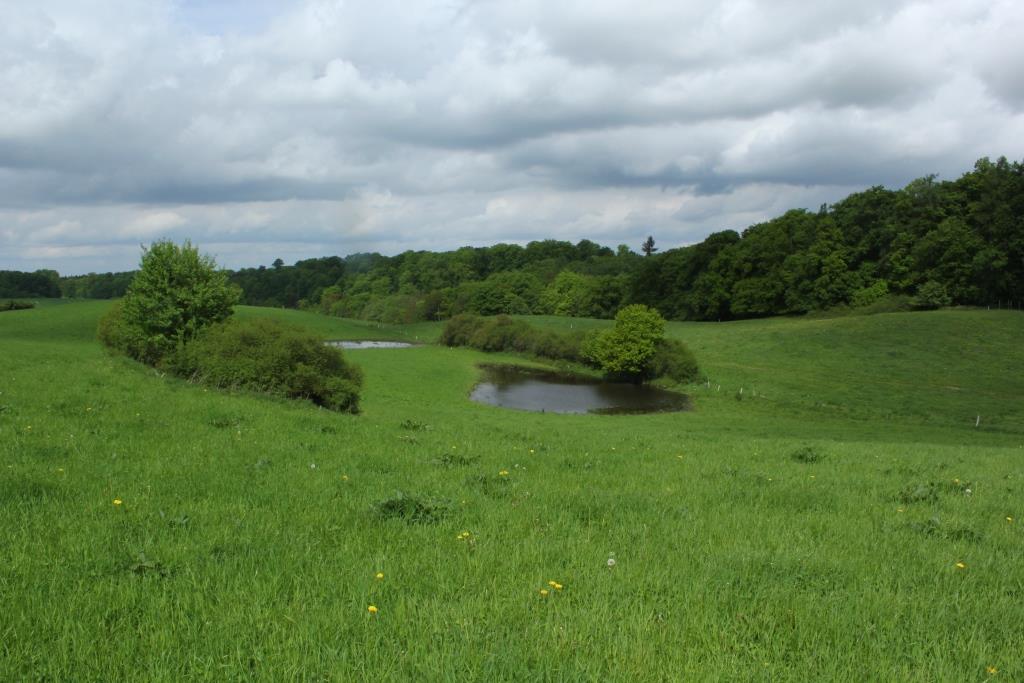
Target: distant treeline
{"points": [[929, 244], [44, 284]]}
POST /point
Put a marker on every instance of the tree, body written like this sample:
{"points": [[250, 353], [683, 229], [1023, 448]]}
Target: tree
{"points": [[176, 293], [648, 246], [627, 349]]}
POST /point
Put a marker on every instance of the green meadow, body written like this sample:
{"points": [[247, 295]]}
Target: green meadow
{"points": [[845, 502]]}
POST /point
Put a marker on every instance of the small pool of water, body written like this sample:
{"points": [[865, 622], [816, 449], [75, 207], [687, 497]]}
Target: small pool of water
{"points": [[545, 391], [370, 344]]}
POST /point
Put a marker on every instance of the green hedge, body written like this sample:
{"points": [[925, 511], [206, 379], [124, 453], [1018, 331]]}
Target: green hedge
{"points": [[502, 333], [671, 359], [271, 357]]}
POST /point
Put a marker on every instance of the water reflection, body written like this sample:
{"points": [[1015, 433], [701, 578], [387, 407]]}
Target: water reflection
{"points": [[510, 386]]}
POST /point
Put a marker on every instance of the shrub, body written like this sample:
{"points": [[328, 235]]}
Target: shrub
{"points": [[268, 356], [502, 333], [13, 305], [674, 360], [869, 295], [176, 293], [459, 329], [626, 350], [931, 295], [665, 357]]}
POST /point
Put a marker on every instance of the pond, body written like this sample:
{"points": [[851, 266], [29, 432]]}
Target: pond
{"points": [[370, 344], [543, 391]]}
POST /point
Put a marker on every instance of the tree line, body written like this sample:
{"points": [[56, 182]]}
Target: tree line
{"points": [[931, 243]]}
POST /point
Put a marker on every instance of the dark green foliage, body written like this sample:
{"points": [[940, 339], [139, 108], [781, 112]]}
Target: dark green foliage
{"points": [[41, 283], [673, 360], [271, 357], [13, 305], [502, 333], [807, 455], [638, 336], [96, 285], [412, 509], [931, 295]]}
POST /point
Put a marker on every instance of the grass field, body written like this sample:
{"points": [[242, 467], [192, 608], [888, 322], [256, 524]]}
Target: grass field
{"points": [[841, 519]]}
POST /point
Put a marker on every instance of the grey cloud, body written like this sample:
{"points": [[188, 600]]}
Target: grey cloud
{"points": [[350, 126]]}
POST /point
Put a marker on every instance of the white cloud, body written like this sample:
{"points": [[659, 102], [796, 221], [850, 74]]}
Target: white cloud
{"points": [[332, 126]]}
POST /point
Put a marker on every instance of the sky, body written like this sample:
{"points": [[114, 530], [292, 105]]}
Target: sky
{"points": [[262, 130]]}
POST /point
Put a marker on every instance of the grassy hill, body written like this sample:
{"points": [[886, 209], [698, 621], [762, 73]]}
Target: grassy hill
{"points": [[812, 529]]}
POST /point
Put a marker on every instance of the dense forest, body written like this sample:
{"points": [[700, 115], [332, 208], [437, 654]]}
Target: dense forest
{"points": [[929, 244]]}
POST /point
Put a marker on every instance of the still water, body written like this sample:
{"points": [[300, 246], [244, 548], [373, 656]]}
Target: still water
{"points": [[553, 392], [370, 344]]}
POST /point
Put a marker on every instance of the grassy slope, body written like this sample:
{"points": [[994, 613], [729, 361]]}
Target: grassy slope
{"points": [[733, 561]]}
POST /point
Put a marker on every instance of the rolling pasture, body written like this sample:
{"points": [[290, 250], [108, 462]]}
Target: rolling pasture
{"points": [[856, 512]]}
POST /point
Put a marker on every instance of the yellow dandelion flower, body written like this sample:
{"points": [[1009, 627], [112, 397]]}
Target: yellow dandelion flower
{"points": [[956, 481], [991, 670], [544, 592], [552, 583], [960, 565], [558, 586], [372, 609], [1009, 519], [117, 501], [460, 537], [899, 509], [503, 473], [344, 477], [380, 575], [531, 450]]}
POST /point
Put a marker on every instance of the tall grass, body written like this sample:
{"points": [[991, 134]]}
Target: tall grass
{"points": [[250, 532]]}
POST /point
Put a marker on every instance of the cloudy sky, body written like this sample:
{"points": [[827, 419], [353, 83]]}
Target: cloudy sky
{"points": [[262, 129]]}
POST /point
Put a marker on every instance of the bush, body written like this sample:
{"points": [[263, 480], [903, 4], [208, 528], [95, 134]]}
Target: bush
{"points": [[869, 295], [674, 360], [268, 356], [459, 329], [118, 335], [16, 305], [931, 295], [502, 333], [627, 349], [176, 293]]}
